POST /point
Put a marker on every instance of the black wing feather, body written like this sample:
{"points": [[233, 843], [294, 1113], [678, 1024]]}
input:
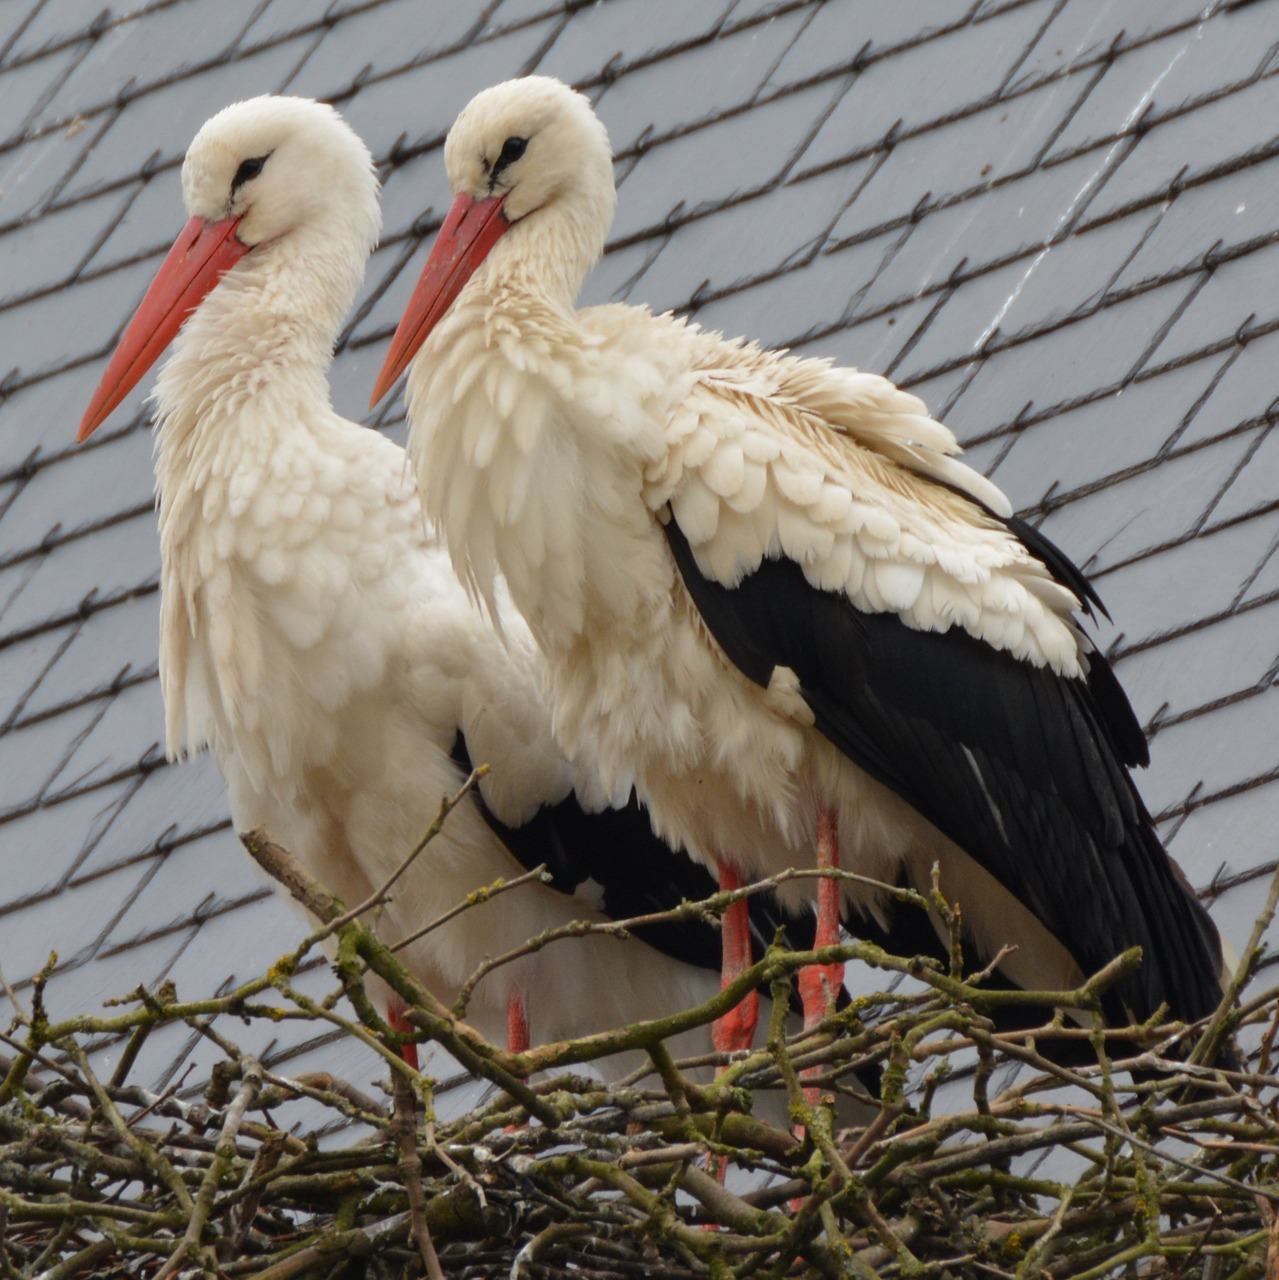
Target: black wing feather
{"points": [[1113, 708], [1020, 767], [637, 873]]}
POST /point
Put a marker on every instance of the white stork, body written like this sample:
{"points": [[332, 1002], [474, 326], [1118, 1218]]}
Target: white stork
{"points": [[770, 594], [319, 643]]}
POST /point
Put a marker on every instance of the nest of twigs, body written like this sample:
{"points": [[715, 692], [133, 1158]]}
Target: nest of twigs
{"points": [[1150, 1165]]}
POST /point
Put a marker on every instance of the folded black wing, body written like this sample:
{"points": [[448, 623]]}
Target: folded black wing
{"points": [[614, 858], [1020, 767]]}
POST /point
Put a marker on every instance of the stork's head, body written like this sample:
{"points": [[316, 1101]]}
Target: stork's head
{"points": [[532, 177], [273, 165], [534, 144], [266, 182]]}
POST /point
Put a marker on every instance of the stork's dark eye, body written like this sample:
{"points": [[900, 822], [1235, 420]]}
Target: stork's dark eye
{"points": [[511, 151], [248, 170]]}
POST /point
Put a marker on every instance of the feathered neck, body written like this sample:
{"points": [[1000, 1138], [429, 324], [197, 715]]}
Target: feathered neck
{"points": [[253, 355], [547, 254]]}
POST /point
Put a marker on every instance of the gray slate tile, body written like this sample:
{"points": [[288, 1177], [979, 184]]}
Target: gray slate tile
{"points": [[54, 25], [114, 645], [26, 88], [964, 156], [422, 102], [620, 272], [159, 45], [68, 923], [115, 561], [279, 19], [1239, 42], [750, 240], [1264, 583], [1070, 279], [1205, 752], [1126, 89], [396, 32], [51, 251], [54, 501], [174, 803], [1253, 489], [130, 730], [1234, 833], [1175, 499], [1209, 573], [874, 343], [40, 418], [738, 155], [150, 215], [31, 757], [49, 332], [1234, 291], [33, 173], [786, 311], [14, 23], [1186, 146], [671, 93], [26, 664], [1245, 392], [1106, 349], [52, 845], [628, 31], [988, 51], [1031, 212], [512, 13], [1203, 667], [164, 120], [1062, 452], [839, 30], [1217, 216], [1077, 34]]}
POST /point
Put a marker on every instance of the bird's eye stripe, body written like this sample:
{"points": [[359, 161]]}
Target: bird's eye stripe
{"points": [[511, 151], [248, 170]]}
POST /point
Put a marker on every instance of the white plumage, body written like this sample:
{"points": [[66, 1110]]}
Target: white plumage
{"points": [[768, 590], [312, 636]]}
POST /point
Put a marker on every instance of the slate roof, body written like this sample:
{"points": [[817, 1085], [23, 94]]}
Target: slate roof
{"points": [[1051, 218]]}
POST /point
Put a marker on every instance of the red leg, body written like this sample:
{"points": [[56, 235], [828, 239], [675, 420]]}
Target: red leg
{"points": [[517, 1037], [736, 1029], [398, 1021], [819, 984]]}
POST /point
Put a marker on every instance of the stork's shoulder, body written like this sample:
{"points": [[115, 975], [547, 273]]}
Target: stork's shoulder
{"points": [[773, 455], [838, 416]]}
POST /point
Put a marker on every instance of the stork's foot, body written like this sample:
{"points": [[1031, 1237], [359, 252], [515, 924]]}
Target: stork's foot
{"points": [[397, 1020]]}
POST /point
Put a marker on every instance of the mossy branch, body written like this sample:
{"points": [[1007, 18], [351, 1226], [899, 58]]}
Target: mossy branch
{"points": [[100, 1174]]}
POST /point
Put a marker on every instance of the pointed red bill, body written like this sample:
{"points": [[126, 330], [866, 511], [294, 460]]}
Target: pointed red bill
{"points": [[470, 231], [201, 255]]}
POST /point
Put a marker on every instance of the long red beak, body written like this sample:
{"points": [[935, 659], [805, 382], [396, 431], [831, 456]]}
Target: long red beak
{"points": [[470, 231], [201, 255]]}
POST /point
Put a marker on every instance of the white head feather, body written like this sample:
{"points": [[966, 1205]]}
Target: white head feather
{"points": [[560, 192]]}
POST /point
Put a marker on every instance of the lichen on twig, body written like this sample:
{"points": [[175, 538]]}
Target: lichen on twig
{"points": [[1155, 1167]]}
